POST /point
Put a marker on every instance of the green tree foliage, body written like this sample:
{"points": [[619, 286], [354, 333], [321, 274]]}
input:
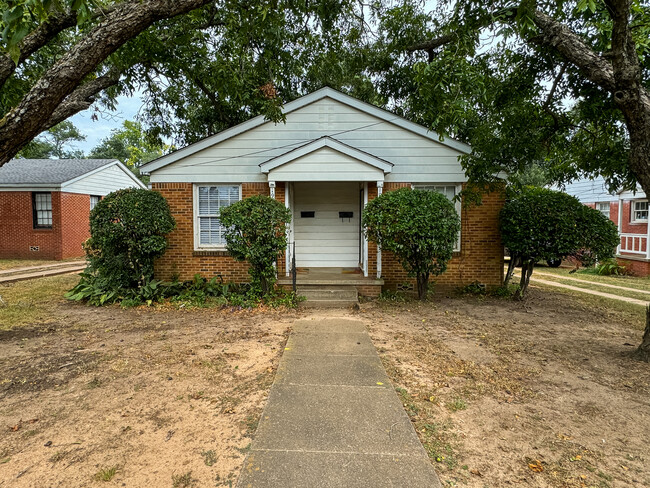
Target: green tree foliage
{"points": [[57, 142], [541, 224], [257, 234], [419, 227], [497, 76], [131, 145], [127, 232]]}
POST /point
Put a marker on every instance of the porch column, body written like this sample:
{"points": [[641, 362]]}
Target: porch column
{"points": [[647, 240], [272, 189], [620, 223], [287, 251], [380, 188], [365, 239]]}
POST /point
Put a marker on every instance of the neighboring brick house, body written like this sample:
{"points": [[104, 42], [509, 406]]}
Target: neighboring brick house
{"points": [[629, 211], [333, 155], [45, 204]]}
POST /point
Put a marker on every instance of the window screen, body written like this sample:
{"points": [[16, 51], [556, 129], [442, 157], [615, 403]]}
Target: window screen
{"points": [[42, 210], [211, 199]]}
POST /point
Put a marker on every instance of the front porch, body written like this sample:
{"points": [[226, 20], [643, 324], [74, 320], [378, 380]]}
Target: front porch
{"points": [[337, 277]]}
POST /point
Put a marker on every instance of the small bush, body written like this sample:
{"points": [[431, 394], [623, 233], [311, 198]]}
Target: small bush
{"points": [[257, 234], [419, 227]]}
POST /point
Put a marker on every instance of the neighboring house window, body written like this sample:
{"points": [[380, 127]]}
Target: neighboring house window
{"points": [[209, 200], [42, 210], [94, 200], [603, 207], [450, 192], [640, 212]]}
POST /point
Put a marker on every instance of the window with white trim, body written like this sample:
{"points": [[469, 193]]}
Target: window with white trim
{"points": [[603, 208], [450, 191], [94, 200], [208, 202], [640, 211], [42, 210]]}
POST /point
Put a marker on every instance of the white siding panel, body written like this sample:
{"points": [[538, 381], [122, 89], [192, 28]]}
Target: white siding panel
{"points": [[326, 164], [102, 182], [326, 240], [416, 158]]}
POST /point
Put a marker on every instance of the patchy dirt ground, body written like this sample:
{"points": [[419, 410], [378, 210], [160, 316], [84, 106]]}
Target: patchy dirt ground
{"points": [[539, 394], [138, 397]]}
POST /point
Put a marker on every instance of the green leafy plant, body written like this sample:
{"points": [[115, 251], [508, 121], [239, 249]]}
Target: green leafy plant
{"points": [[257, 234], [419, 227], [541, 224], [610, 267]]}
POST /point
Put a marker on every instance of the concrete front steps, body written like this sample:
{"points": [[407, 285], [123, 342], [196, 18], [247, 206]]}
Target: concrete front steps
{"points": [[328, 296]]}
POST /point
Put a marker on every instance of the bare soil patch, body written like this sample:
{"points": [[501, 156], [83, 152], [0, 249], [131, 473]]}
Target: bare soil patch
{"points": [[139, 397], [542, 393]]}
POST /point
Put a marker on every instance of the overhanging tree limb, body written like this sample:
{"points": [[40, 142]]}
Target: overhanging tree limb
{"points": [[37, 107]]}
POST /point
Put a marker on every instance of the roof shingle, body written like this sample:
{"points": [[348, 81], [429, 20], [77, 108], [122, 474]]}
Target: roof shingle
{"points": [[47, 171]]}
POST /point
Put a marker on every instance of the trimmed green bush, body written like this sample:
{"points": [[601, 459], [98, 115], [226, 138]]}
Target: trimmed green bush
{"points": [[419, 227], [540, 224], [127, 230], [257, 234]]}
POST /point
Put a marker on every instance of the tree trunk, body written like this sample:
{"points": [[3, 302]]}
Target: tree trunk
{"points": [[423, 285], [527, 267], [643, 352], [514, 262]]}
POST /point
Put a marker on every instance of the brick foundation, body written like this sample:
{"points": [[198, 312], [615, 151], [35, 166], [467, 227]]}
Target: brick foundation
{"points": [[70, 226]]}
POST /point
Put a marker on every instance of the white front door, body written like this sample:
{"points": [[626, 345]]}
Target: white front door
{"points": [[323, 238]]}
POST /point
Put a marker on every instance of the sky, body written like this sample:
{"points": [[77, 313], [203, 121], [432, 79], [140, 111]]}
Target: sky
{"points": [[96, 130]]}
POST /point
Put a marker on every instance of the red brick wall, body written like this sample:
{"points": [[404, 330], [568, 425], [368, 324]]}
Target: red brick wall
{"points": [[480, 259], [70, 226], [481, 255], [181, 260]]}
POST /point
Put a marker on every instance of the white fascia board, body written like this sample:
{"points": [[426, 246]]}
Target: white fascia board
{"points": [[338, 146], [295, 105], [30, 187]]}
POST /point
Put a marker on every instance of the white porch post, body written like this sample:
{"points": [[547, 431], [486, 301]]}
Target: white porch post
{"points": [[647, 240], [272, 189], [380, 188], [365, 239], [287, 251], [620, 223]]}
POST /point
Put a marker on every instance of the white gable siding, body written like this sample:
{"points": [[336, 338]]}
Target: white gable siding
{"points": [[416, 158], [101, 182], [326, 164], [589, 191]]}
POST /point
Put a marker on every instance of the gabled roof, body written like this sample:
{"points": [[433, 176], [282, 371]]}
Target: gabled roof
{"points": [[295, 105], [48, 171], [331, 143]]}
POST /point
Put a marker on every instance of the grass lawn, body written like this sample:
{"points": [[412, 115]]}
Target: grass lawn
{"points": [[626, 281], [540, 393]]}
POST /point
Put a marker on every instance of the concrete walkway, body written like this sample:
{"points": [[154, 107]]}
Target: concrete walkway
{"points": [[30, 272], [333, 419]]}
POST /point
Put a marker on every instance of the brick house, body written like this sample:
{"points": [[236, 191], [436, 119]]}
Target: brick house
{"points": [[629, 211], [45, 204], [333, 155]]}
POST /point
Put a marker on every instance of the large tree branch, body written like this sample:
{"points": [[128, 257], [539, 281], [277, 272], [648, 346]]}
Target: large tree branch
{"points": [[82, 98], [125, 22], [43, 34]]}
